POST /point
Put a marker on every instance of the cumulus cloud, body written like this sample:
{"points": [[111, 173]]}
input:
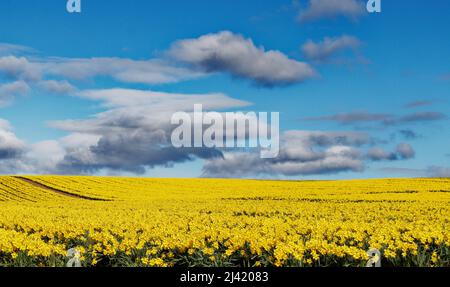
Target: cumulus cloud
{"points": [[329, 47], [133, 139], [41, 158], [134, 133], [304, 153], [10, 90], [403, 151], [19, 68], [10, 145], [379, 154], [133, 152], [319, 9], [186, 59], [250, 164], [301, 153], [238, 56], [137, 138]]}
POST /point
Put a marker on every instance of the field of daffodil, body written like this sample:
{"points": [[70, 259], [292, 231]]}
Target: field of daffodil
{"points": [[112, 221]]}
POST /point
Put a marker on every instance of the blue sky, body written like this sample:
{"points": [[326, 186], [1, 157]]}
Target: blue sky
{"points": [[384, 75]]}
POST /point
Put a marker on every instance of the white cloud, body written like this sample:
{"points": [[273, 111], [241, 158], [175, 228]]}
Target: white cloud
{"points": [[123, 70], [306, 153], [187, 59], [43, 157], [134, 133], [10, 145], [238, 56], [8, 49], [57, 87], [19, 68], [329, 47], [160, 101], [10, 90], [302, 153]]}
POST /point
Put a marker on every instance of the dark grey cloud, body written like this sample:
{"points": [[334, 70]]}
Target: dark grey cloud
{"points": [[379, 154], [133, 152], [134, 134], [320, 9], [329, 47], [238, 56]]}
